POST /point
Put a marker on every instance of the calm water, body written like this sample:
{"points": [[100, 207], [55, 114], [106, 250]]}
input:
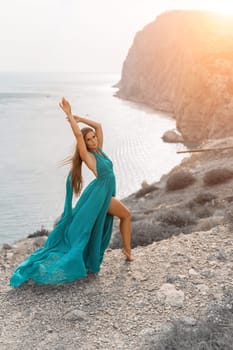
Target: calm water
{"points": [[35, 136]]}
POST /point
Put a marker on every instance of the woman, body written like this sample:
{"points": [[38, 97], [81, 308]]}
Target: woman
{"points": [[77, 244]]}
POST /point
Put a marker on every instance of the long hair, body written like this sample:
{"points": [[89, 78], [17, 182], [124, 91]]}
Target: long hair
{"points": [[76, 165]]}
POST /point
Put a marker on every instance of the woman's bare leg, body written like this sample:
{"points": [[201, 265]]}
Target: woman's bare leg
{"points": [[116, 208]]}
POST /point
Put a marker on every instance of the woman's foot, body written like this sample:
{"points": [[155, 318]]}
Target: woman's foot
{"points": [[128, 255]]}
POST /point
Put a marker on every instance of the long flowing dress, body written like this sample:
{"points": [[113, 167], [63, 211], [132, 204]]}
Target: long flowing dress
{"points": [[77, 244]]}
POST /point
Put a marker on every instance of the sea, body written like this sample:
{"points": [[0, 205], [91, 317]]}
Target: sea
{"points": [[35, 137]]}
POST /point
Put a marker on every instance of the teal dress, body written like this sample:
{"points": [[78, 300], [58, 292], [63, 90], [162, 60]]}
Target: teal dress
{"points": [[77, 244]]}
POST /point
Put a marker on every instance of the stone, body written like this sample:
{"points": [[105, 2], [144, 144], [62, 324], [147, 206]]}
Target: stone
{"points": [[171, 136], [203, 288], [193, 272], [39, 242], [6, 246], [10, 255], [188, 321], [76, 315], [168, 294]]}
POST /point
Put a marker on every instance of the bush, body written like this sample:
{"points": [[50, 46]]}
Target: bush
{"points": [[177, 218], [229, 214], [213, 332], [39, 233], [144, 232], [147, 231], [203, 198], [144, 191], [203, 212], [201, 206], [179, 180], [217, 176]]}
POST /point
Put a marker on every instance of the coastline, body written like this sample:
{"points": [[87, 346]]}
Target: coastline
{"points": [[153, 197], [38, 184]]}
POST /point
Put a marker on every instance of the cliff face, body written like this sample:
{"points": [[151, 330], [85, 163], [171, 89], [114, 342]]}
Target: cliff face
{"points": [[183, 63]]}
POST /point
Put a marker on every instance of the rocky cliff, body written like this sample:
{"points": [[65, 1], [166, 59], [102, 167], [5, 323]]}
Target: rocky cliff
{"points": [[182, 63]]}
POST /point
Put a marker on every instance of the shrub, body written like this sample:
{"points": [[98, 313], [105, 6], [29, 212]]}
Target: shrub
{"points": [[177, 217], [203, 198], [144, 232], [39, 233], [147, 231], [203, 212], [201, 206], [213, 332], [179, 180], [144, 191], [229, 199], [217, 176], [229, 214]]}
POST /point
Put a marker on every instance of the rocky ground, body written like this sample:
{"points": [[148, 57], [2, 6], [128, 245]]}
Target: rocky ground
{"points": [[160, 213], [127, 304]]}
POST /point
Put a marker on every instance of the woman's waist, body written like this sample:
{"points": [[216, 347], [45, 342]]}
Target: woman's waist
{"points": [[105, 174]]}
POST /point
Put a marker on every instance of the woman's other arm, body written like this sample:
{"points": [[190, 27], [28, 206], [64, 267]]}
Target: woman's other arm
{"points": [[94, 125]]}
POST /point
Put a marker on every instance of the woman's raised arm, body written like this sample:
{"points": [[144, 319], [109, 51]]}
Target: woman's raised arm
{"points": [[66, 107]]}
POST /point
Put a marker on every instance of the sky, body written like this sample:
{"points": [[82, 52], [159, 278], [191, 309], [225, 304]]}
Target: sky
{"points": [[79, 35]]}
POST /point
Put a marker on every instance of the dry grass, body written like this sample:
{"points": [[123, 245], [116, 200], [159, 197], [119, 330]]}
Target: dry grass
{"points": [[177, 217], [179, 180], [203, 198], [39, 233], [144, 233], [217, 176], [213, 333], [203, 212]]}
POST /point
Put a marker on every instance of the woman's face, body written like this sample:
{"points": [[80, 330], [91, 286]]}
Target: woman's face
{"points": [[91, 140]]}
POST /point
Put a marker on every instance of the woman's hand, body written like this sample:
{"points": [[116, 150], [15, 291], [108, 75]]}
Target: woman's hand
{"points": [[65, 106]]}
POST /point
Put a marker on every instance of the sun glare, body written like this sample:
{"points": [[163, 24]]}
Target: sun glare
{"points": [[223, 7]]}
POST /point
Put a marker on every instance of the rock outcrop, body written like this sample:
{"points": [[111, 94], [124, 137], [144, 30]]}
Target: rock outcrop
{"points": [[172, 136], [182, 63]]}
